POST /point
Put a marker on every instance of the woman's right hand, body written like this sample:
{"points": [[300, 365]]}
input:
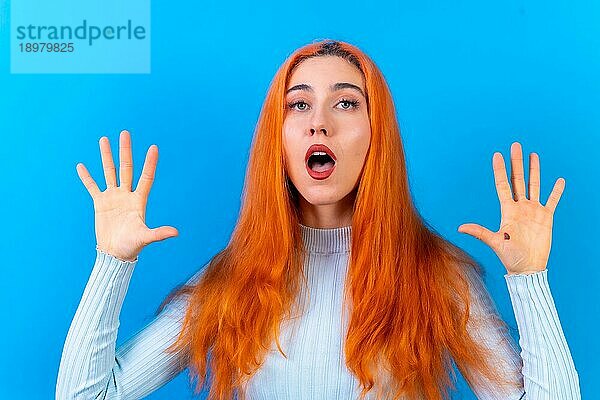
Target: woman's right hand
{"points": [[120, 212]]}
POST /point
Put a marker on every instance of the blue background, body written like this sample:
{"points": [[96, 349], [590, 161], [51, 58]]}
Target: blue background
{"points": [[468, 79]]}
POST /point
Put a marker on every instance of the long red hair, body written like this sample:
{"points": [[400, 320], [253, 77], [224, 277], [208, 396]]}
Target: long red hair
{"points": [[407, 289]]}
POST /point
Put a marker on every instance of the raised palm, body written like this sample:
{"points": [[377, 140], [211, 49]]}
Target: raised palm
{"points": [[120, 213], [524, 238]]}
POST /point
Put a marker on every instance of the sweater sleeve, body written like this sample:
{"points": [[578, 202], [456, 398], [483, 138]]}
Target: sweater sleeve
{"points": [[91, 367], [543, 369], [548, 368]]}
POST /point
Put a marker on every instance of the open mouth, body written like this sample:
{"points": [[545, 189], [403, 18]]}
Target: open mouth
{"points": [[320, 161]]}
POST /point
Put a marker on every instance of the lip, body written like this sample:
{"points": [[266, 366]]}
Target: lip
{"points": [[319, 147], [320, 175], [324, 174]]}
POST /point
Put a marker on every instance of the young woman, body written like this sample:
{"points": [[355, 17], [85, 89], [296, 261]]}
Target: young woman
{"points": [[332, 285]]}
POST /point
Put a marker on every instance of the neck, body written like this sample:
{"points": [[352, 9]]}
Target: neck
{"points": [[333, 215]]}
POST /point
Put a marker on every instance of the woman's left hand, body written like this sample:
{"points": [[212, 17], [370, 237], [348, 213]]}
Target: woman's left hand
{"points": [[523, 241]]}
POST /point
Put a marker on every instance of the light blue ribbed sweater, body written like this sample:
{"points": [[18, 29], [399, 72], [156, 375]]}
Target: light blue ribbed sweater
{"points": [[92, 367]]}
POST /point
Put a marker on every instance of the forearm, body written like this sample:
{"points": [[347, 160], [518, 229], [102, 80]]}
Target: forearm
{"points": [[89, 352], [548, 368]]}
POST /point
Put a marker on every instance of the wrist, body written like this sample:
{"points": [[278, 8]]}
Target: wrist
{"points": [[525, 272], [110, 252]]}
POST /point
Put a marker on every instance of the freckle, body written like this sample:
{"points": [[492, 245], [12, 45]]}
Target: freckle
{"points": [[506, 236]]}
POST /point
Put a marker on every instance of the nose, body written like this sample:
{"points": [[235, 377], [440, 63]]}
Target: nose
{"points": [[321, 129], [319, 121]]}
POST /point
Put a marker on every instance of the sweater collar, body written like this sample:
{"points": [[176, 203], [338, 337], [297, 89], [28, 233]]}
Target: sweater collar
{"points": [[326, 240]]}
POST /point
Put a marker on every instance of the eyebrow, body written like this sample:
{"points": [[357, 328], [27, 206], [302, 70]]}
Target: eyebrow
{"points": [[333, 88]]}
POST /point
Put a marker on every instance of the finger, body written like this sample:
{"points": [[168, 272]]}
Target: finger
{"points": [[517, 175], [161, 233], [534, 177], [479, 232], [125, 160], [557, 191], [107, 163], [87, 180], [502, 187], [148, 171]]}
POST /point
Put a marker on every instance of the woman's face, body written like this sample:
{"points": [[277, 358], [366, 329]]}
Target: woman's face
{"points": [[326, 105]]}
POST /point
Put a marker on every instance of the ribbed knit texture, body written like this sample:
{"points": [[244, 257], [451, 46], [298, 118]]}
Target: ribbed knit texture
{"points": [[91, 367]]}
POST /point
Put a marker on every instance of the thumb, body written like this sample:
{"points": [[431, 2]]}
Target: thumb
{"points": [[160, 233], [479, 232]]}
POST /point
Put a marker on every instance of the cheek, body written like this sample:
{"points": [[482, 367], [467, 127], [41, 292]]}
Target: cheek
{"points": [[366, 141], [365, 136], [356, 153], [359, 144]]}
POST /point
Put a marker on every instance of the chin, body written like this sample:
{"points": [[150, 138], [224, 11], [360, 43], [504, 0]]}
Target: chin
{"points": [[320, 196]]}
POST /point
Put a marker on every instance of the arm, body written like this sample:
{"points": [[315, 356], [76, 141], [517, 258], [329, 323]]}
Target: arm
{"points": [[90, 367], [544, 369], [548, 367], [523, 244]]}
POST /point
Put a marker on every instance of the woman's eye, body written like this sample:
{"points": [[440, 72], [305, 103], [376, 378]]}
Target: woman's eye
{"points": [[298, 103], [347, 104]]}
